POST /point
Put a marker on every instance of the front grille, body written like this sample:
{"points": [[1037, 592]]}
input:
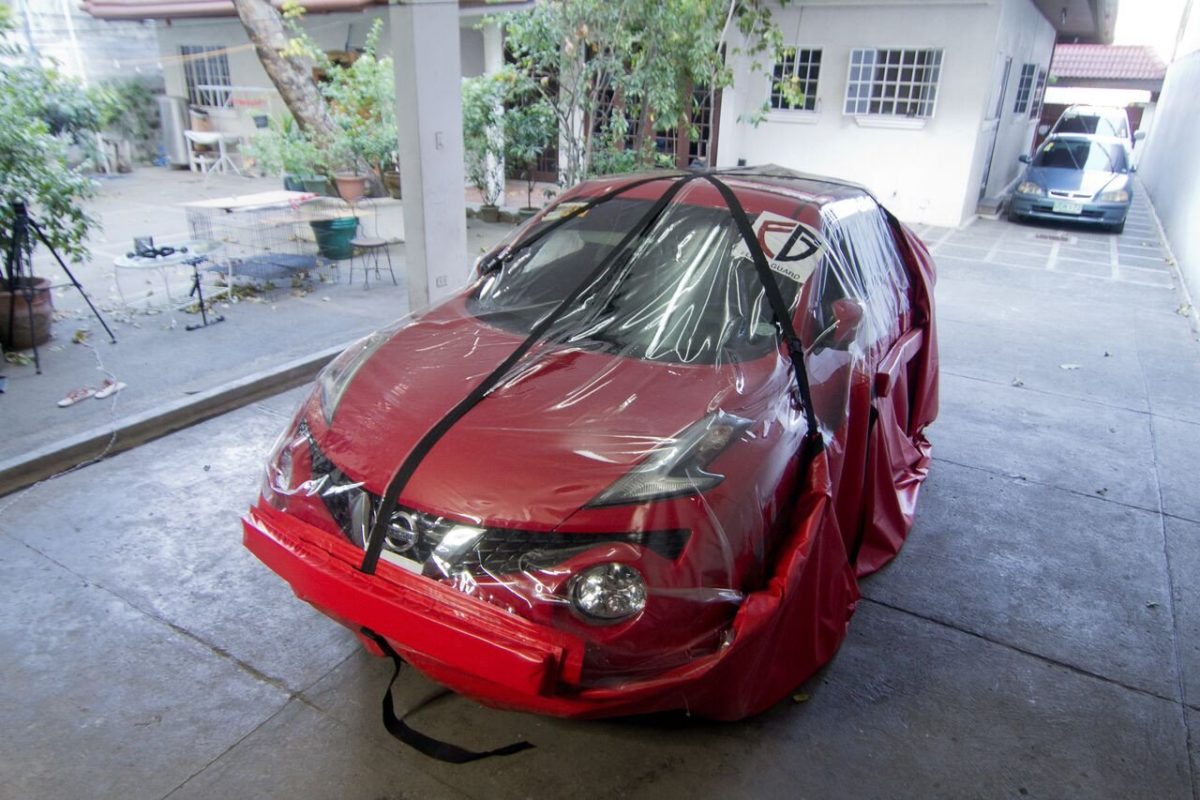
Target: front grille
{"points": [[497, 551]]}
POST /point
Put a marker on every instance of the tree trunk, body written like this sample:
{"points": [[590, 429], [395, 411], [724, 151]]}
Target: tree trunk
{"points": [[292, 75]]}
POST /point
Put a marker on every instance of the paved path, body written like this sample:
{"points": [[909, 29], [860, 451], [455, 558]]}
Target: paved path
{"points": [[1039, 636]]}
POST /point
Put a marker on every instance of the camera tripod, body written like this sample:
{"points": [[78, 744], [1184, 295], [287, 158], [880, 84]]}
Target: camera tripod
{"points": [[18, 274]]}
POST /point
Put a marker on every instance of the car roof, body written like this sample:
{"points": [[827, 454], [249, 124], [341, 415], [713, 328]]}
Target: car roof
{"points": [[767, 187], [1087, 110], [1089, 137]]}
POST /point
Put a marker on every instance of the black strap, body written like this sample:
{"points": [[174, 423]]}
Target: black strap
{"points": [[427, 745], [783, 316], [425, 445]]}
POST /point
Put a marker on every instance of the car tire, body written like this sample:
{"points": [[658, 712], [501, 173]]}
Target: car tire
{"points": [[1118, 228]]}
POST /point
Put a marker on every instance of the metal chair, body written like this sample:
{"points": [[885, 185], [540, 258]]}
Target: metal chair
{"points": [[364, 246]]}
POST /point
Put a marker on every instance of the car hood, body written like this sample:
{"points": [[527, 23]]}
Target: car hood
{"points": [[565, 423], [1090, 182]]}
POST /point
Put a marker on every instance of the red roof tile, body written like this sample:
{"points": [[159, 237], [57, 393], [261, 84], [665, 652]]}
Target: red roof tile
{"points": [[1114, 61]]}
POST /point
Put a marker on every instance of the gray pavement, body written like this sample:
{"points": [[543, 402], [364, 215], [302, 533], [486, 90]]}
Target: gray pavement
{"points": [[1038, 636], [160, 361]]}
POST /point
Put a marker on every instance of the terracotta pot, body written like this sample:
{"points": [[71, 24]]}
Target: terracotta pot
{"points": [[24, 334], [351, 188]]}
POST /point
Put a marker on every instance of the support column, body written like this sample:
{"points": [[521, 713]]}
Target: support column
{"points": [[425, 50], [493, 62]]}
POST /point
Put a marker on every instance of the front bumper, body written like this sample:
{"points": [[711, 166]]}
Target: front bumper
{"points": [[779, 636], [1034, 207]]}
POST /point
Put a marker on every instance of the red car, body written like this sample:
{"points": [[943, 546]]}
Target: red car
{"points": [[639, 463]]}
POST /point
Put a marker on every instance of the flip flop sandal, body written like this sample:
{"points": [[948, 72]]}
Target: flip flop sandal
{"points": [[109, 388], [75, 395]]}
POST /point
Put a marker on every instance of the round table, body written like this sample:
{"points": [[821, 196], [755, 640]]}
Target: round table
{"points": [[196, 249]]}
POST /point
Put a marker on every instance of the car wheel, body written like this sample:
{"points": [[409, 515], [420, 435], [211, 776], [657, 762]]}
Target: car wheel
{"points": [[1118, 228]]}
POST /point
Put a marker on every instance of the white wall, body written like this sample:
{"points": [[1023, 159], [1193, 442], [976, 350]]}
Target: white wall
{"points": [[1170, 163], [930, 174], [1028, 38]]}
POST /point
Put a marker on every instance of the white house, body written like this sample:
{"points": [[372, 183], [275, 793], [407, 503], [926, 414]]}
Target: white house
{"points": [[928, 104], [208, 59]]}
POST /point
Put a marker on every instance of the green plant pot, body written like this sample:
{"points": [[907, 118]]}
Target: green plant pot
{"points": [[293, 184], [334, 235], [316, 185]]}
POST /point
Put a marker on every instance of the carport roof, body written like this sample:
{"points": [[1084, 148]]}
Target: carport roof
{"points": [[180, 9], [1107, 62]]}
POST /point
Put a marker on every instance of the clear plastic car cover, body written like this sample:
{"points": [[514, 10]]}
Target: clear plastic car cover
{"points": [[639, 482]]}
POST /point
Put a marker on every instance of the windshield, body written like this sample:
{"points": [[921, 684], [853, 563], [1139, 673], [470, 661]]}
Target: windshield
{"points": [[1081, 154], [680, 294], [1089, 124]]}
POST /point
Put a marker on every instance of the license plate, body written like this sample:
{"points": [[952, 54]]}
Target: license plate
{"points": [[1067, 207]]}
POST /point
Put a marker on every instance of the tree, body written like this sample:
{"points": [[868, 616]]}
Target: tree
{"points": [[483, 133], [40, 111], [528, 129], [289, 66], [615, 72]]}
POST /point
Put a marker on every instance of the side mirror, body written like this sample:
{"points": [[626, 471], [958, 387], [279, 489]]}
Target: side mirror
{"points": [[1023, 158], [1043, 130], [1139, 135], [847, 316]]}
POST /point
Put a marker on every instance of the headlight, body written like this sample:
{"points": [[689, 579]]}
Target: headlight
{"points": [[678, 469], [608, 592], [1029, 187], [1118, 196], [335, 378]]}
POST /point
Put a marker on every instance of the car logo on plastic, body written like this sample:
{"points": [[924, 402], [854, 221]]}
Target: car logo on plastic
{"points": [[792, 248]]}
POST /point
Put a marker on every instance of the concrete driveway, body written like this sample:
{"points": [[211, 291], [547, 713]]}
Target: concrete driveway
{"points": [[1039, 636]]}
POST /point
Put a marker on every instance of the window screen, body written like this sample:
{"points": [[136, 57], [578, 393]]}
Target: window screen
{"points": [[1025, 88], [900, 83], [802, 69], [206, 70], [1039, 91]]}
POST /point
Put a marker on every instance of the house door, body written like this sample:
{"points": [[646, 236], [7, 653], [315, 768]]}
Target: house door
{"points": [[996, 113]]}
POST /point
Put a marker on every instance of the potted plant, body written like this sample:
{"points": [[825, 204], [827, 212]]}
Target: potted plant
{"points": [[391, 175], [529, 127], [34, 169], [362, 103], [483, 139], [284, 149]]}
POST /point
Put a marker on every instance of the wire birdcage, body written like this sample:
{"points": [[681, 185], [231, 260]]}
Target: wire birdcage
{"points": [[266, 243]]}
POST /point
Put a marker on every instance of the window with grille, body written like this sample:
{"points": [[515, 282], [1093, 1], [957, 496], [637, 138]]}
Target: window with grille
{"points": [[801, 69], [206, 70], [1039, 92], [899, 83], [1025, 88]]}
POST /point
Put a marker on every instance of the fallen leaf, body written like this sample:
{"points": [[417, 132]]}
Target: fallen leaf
{"points": [[1068, 366], [800, 697], [1184, 310], [20, 359], [1102, 492], [1151, 605], [80, 336], [1018, 382]]}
